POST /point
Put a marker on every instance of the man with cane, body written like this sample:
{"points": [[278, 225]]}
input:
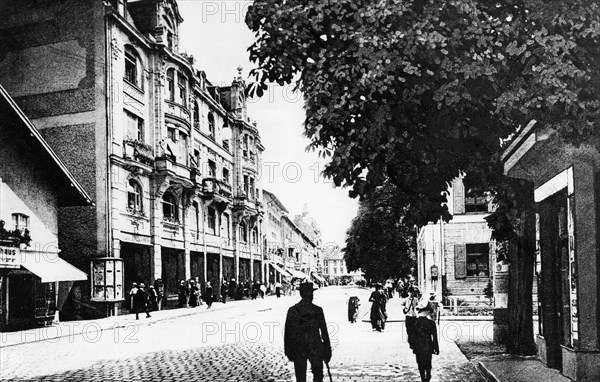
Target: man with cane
{"points": [[306, 336]]}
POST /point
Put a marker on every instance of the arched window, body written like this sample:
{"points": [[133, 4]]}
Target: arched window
{"points": [[133, 68], [171, 84], [134, 197], [170, 209], [196, 115], [211, 125]]}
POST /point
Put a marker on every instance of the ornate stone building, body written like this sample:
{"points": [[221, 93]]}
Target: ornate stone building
{"points": [[170, 159]]}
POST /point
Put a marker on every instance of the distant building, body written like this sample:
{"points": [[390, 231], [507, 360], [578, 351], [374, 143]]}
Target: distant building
{"points": [[170, 159], [292, 247], [334, 267], [455, 258], [34, 280]]}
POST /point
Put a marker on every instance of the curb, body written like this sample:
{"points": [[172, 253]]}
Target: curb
{"points": [[486, 373], [113, 325], [448, 318]]}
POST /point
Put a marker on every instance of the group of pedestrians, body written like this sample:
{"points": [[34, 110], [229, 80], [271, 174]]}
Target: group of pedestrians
{"points": [[190, 293]]}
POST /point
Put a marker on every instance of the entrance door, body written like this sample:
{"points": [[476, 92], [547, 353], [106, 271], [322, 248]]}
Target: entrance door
{"points": [[137, 267], [554, 276]]}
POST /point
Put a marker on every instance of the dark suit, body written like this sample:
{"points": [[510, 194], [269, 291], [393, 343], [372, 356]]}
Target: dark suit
{"points": [[424, 344], [306, 338]]}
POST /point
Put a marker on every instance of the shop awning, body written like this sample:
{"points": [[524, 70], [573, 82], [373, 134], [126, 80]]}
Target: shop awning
{"points": [[50, 267], [279, 269], [296, 273], [319, 278]]}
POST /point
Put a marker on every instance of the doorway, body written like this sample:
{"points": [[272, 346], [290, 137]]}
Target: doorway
{"points": [[554, 253]]}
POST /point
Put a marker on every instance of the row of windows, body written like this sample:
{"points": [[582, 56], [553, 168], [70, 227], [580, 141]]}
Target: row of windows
{"points": [[170, 209], [179, 94]]}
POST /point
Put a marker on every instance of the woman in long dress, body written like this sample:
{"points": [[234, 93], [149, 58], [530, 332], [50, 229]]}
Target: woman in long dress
{"points": [[208, 295], [378, 314]]}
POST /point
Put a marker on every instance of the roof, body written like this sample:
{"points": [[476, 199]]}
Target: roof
{"points": [[69, 191], [276, 200]]}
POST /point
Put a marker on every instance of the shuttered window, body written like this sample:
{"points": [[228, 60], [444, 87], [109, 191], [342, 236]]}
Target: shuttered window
{"points": [[460, 261]]}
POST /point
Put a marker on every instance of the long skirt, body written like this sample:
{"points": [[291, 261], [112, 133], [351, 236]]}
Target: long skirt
{"points": [[353, 309], [377, 317], [410, 322]]}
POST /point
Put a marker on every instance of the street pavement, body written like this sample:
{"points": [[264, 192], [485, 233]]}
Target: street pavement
{"points": [[236, 342]]}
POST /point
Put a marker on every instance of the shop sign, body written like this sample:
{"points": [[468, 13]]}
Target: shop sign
{"points": [[9, 257]]}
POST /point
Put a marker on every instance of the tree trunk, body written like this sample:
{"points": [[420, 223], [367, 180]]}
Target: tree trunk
{"points": [[520, 340]]}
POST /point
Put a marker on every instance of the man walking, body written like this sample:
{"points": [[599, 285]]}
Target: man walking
{"points": [[140, 302], [306, 336]]}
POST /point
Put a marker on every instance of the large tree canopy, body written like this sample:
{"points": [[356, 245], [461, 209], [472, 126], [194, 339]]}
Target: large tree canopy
{"points": [[415, 91], [379, 242]]}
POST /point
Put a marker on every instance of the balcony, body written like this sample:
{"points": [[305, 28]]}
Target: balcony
{"points": [[138, 151], [214, 186], [167, 167]]}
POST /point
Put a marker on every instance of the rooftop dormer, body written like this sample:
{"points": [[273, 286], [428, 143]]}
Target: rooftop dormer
{"points": [[158, 17]]}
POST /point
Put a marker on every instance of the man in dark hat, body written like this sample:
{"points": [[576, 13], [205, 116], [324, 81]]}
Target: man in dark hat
{"points": [[306, 336]]}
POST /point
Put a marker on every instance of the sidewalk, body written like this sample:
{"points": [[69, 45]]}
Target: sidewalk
{"points": [[395, 314], [507, 368], [73, 328]]}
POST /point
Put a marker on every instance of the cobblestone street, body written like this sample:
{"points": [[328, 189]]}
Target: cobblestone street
{"points": [[241, 343]]}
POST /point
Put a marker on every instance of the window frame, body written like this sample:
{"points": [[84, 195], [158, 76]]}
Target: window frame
{"points": [[473, 254], [171, 84], [135, 192], [16, 217], [173, 216]]}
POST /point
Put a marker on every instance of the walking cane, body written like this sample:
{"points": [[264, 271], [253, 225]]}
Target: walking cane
{"points": [[329, 372]]}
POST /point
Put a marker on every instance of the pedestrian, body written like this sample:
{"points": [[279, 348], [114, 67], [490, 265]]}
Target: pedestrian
{"points": [[255, 290], [140, 302], [378, 309], [152, 298], [278, 289], [132, 292], [199, 286], [306, 336], [182, 293], [194, 291], [353, 304], [232, 289], [224, 291], [208, 295], [425, 342], [410, 312], [435, 307], [263, 290]]}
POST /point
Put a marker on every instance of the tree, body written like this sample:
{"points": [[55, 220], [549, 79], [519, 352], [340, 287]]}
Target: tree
{"points": [[417, 91], [378, 241]]}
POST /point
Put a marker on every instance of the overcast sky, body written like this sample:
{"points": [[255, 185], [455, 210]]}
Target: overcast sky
{"points": [[214, 32]]}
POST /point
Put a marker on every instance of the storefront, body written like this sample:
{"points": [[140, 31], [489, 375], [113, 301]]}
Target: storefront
{"points": [[566, 182], [137, 266], [173, 271], [34, 184], [29, 287]]}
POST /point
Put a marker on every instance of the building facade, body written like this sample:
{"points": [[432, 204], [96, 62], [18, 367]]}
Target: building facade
{"points": [[564, 183], [34, 280], [170, 160], [334, 267], [455, 258], [292, 247]]}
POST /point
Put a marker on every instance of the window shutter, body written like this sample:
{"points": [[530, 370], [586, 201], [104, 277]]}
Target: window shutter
{"points": [[460, 261], [458, 190]]}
